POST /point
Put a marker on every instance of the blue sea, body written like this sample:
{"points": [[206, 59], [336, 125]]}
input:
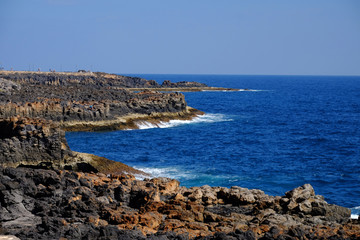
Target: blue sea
{"points": [[289, 131]]}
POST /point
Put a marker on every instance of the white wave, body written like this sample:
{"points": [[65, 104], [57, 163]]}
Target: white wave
{"points": [[169, 172], [235, 90], [147, 125], [206, 118], [253, 90], [226, 90], [355, 211], [155, 172]]}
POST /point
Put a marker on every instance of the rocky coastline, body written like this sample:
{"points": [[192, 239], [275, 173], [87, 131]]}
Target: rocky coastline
{"points": [[60, 204], [48, 191]]}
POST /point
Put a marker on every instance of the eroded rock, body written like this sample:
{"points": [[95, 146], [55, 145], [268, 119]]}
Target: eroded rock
{"points": [[53, 204]]}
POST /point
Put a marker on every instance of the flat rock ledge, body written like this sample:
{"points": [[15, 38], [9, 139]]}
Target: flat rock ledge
{"points": [[131, 121], [60, 204]]}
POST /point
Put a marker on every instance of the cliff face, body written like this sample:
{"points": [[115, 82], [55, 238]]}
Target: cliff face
{"points": [[39, 143], [45, 204], [88, 105], [85, 103], [31, 142]]}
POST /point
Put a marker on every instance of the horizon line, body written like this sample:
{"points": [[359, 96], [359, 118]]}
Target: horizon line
{"points": [[243, 74], [214, 74]]}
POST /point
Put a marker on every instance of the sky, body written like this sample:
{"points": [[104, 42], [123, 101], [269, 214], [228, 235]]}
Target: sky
{"points": [[262, 37]]}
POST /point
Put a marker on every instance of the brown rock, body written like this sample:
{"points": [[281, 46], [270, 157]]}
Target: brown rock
{"points": [[172, 224], [197, 226], [302, 193], [151, 220], [167, 186]]}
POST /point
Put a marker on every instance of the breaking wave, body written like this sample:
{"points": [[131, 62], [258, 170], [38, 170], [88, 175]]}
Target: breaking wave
{"points": [[355, 212], [169, 172], [235, 90], [206, 118]]}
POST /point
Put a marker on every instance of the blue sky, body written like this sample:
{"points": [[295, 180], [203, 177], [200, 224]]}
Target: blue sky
{"points": [[284, 37]]}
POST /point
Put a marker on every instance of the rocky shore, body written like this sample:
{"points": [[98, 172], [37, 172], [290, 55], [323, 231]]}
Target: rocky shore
{"points": [[54, 204], [48, 191]]}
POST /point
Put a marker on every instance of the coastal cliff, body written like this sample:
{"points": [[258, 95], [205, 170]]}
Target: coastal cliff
{"points": [[84, 101], [48, 191], [40, 143]]}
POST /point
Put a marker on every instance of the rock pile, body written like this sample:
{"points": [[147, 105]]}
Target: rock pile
{"points": [[47, 204]]}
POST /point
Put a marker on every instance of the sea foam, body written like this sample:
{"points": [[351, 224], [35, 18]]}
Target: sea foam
{"points": [[355, 212], [235, 90], [169, 172], [206, 118]]}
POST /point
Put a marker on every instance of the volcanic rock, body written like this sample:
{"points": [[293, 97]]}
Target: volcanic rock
{"points": [[53, 204], [39, 143]]}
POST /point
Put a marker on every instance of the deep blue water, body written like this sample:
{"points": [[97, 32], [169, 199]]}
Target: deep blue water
{"points": [[296, 130]]}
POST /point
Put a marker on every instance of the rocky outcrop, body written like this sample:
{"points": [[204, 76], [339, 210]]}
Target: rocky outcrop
{"points": [[46, 204], [26, 141], [40, 143]]}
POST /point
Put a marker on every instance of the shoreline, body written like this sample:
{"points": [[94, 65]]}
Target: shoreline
{"points": [[129, 121], [115, 206]]}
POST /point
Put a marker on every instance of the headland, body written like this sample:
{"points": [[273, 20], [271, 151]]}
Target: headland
{"points": [[49, 191]]}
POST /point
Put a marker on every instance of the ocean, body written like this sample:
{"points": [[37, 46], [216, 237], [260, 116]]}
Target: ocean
{"points": [[289, 131]]}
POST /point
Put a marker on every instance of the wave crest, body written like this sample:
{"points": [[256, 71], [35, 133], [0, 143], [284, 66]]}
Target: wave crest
{"points": [[206, 118], [355, 212], [169, 172]]}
